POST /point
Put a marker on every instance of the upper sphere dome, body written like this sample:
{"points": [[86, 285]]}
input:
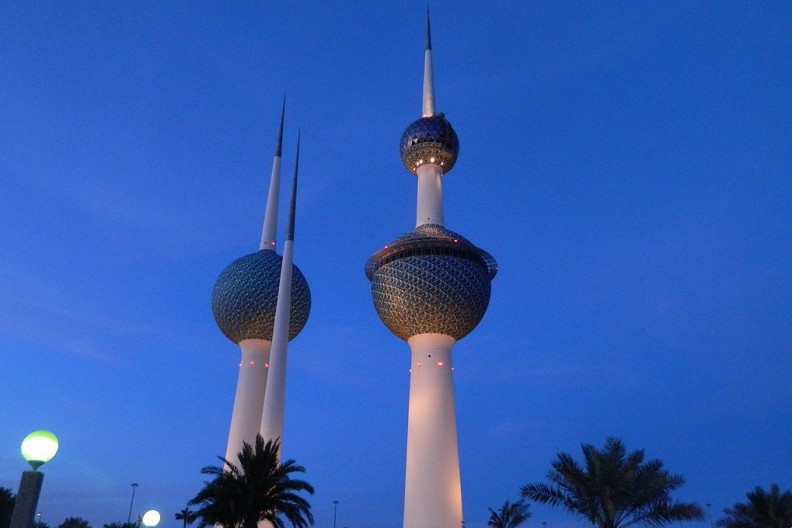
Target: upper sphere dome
{"points": [[429, 140], [246, 294]]}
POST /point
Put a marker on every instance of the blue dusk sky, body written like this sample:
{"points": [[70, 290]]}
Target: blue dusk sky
{"points": [[627, 163]]}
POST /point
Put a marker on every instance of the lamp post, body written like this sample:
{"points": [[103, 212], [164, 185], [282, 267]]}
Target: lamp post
{"points": [[132, 501], [38, 448], [335, 512]]}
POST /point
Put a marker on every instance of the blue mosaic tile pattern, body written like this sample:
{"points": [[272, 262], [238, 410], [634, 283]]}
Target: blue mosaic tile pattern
{"points": [[246, 293], [429, 140], [431, 280]]}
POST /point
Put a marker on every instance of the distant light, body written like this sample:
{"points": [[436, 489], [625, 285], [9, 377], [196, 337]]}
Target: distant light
{"points": [[151, 518], [266, 365], [439, 363], [419, 364], [39, 447], [252, 362]]}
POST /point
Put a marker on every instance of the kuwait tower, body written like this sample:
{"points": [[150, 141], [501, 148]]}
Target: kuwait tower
{"points": [[244, 303], [431, 287]]}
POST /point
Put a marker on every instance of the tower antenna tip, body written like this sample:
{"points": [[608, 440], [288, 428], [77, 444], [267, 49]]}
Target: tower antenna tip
{"points": [[428, 30]]}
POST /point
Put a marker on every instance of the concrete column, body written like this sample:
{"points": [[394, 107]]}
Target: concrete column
{"points": [[430, 195], [249, 399], [433, 490], [27, 499]]}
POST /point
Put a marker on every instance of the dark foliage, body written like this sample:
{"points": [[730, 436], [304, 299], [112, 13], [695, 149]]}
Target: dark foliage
{"points": [[764, 509], [7, 500], [257, 488], [614, 489], [510, 515]]}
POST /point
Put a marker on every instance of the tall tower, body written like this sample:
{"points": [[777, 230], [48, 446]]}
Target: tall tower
{"points": [[431, 287], [275, 395], [244, 301]]}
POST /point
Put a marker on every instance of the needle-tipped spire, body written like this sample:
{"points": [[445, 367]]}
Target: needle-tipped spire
{"points": [[279, 143], [428, 31], [293, 203], [428, 81], [275, 393], [268, 233]]}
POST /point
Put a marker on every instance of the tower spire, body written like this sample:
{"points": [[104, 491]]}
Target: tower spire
{"points": [[268, 232], [275, 393], [428, 80]]}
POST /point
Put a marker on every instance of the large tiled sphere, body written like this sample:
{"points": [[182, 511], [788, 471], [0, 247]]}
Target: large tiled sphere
{"points": [[431, 280], [429, 140], [246, 293]]}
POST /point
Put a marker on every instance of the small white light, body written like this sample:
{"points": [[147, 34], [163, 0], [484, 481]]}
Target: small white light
{"points": [[151, 518]]}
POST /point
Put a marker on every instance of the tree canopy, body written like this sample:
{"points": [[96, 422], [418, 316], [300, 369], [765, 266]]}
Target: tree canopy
{"points": [[7, 500], [187, 516], [510, 515], [764, 509], [614, 489], [258, 488], [74, 522]]}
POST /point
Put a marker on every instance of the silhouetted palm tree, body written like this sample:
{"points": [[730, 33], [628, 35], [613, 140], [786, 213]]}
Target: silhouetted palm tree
{"points": [[510, 515], [614, 489], [764, 509], [257, 489], [7, 500], [122, 525], [187, 516], [74, 522]]}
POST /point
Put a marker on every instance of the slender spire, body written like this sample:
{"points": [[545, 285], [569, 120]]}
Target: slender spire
{"points": [[268, 233], [293, 203], [275, 393], [428, 80]]}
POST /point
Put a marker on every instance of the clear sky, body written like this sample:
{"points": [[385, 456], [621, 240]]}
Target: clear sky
{"points": [[627, 163]]}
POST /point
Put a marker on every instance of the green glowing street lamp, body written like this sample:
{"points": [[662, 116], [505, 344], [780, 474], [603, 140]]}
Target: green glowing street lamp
{"points": [[38, 448]]}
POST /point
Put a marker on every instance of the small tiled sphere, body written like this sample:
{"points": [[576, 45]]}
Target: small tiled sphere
{"points": [[429, 140], [246, 294]]}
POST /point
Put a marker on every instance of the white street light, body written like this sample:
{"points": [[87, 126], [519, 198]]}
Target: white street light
{"points": [[38, 448], [151, 518]]}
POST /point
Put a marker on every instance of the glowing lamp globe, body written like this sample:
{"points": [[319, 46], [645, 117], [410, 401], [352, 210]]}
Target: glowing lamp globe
{"points": [[39, 447], [151, 518]]}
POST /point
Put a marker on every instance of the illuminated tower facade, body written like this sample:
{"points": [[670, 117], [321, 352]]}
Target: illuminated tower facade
{"points": [[431, 287], [244, 303]]}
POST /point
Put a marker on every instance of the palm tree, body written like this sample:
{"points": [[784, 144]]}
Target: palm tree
{"points": [[510, 515], [7, 500], [764, 509], [187, 516], [74, 522], [614, 489], [257, 489]]}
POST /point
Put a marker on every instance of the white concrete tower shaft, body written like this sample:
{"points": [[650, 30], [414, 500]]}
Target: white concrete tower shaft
{"points": [[429, 209], [433, 489], [255, 353], [275, 395]]}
